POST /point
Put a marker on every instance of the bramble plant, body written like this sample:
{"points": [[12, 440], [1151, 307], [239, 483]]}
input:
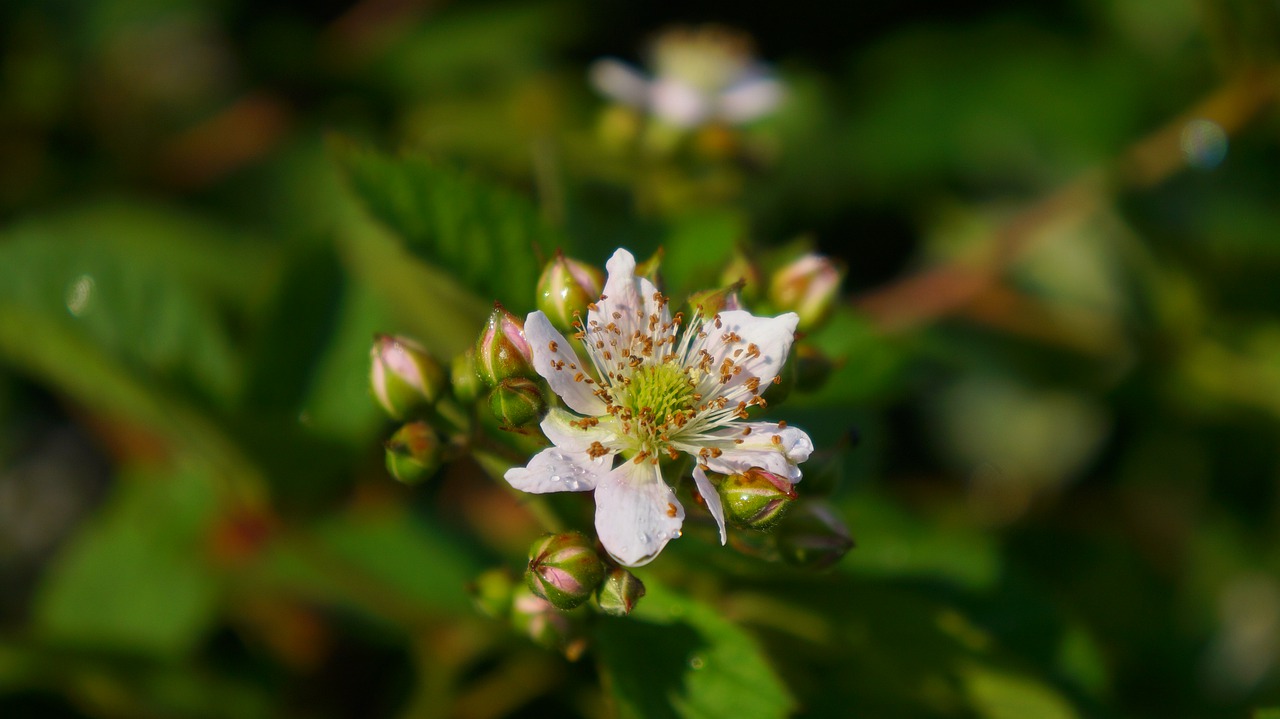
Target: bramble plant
{"points": [[640, 405]]}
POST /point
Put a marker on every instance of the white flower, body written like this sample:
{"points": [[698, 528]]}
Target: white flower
{"points": [[651, 390], [700, 74]]}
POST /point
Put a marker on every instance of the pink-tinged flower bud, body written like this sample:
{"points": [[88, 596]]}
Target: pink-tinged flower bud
{"points": [[502, 350], [403, 375], [619, 592], [564, 569], [547, 626], [808, 286], [756, 499], [517, 402], [414, 453], [463, 376], [492, 593], [710, 302], [565, 289], [812, 536]]}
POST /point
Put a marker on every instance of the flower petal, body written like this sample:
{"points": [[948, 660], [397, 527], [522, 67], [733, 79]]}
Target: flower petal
{"points": [[712, 498], [742, 348], [636, 513], [678, 102], [555, 360], [621, 304], [759, 449], [751, 98], [557, 470], [565, 431], [619, 81]]}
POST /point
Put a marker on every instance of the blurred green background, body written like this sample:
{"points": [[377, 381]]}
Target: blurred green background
{"points": [[1054, 426]]}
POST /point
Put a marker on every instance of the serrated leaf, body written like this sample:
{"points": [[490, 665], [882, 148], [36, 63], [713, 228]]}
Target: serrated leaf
{"points": [[675, 657], [132, 580], [486, 238]]}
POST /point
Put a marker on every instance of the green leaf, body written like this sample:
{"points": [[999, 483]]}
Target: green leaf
{"points": [[133, 579], [485, 238], [128, 310], [1273, 713], [997, 694], [675, 657], [385, 563], [147, 287]]}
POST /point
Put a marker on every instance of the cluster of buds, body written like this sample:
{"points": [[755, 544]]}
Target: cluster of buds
{"points": [[503, 366], [565, 574], [409, 384]]}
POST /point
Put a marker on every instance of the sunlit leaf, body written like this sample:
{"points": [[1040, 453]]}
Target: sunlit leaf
{"points": [[675, 657]]}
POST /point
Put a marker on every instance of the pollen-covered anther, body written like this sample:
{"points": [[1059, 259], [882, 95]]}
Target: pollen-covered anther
{"points": [[596, 450]]}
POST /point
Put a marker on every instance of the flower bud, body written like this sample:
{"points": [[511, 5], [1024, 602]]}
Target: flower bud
{"points": [[808, 286], [545, 625], [404, 376], [755, 499], [462, 373], [517, 402], [502, 350], [566, 288], [812, 536], [711, 302], [564, 569], [619, 592], [414, 453], [492, 592], [649, 269], [743, 272]]}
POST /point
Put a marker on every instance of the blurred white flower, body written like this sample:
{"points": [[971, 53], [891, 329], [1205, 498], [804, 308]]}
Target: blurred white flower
{"points": [[698, 75]]}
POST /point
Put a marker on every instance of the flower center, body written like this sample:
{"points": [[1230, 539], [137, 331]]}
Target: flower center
{"points": [[660, 396]]}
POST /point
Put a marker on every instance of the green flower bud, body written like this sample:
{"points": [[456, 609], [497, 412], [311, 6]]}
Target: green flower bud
{"points": [[414, 452], [649, 269], [619, 592], [808, 286], [564, 569], [566, 288], [502, 350], [812, 536], [710, 302], [492, 592], [742, 271], [545, 625], [466, 382], [403, 375], [755, 499], [517, 402]]}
